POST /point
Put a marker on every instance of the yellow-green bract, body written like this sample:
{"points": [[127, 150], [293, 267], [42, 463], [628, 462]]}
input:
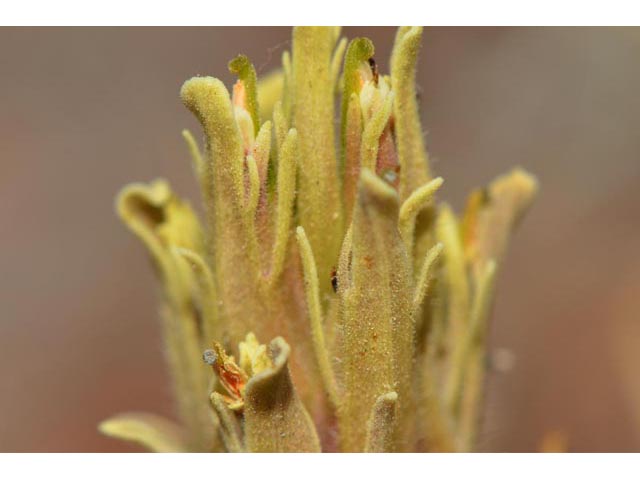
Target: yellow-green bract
{"points": [[355, 303]]}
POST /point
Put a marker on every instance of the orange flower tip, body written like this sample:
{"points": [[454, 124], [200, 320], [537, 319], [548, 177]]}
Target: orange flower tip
{"points": [[240, 95]]}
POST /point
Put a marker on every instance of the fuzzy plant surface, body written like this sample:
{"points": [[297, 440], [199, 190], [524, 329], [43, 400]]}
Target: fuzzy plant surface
{"points": [[325, 301]]}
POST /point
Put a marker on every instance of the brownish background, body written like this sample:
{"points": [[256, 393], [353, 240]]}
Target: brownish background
{"points": [[83, 111]]}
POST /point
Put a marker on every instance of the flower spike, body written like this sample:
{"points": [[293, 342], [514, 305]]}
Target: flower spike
{"points": [[384, 294]]}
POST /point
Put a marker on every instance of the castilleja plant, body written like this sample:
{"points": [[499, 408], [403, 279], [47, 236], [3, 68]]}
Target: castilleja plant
{"points": [[326, 302]]}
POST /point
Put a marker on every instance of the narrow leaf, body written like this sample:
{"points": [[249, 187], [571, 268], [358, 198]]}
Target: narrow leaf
{"points": [[373, 131], [351, 149], [287, 162], [455, 274], [381, 428], [426, 274], [197, 161], [336, 61], [153, 432], [412, 206], [207, 294], [319, 199], [230, 428], [254, 189], [474, 361], [262, 151], [492, 216], [414, 168], [359, 51], [315, 315]]}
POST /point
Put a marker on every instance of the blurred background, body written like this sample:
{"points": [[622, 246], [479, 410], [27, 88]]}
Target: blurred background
{"points": [[85, 110]]}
